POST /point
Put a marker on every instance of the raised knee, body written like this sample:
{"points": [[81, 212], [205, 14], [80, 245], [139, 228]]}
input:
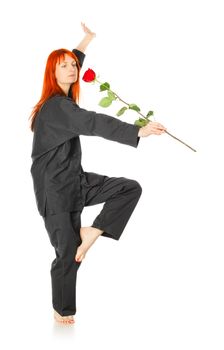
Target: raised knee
{"points": [[137, 186]]}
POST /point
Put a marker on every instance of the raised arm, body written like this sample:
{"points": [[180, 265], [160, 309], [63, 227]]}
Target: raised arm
{"points": [[88, 37], [79, 50]]}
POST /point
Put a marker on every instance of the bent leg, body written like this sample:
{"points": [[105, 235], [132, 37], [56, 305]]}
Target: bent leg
{"points": [[120, 195]]}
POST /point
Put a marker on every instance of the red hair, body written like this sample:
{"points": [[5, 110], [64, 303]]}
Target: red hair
{"points": [[50, 86]]}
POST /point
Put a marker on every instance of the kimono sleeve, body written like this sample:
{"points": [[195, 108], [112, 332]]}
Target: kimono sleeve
{"points": [[80, 55], [90, 123]]}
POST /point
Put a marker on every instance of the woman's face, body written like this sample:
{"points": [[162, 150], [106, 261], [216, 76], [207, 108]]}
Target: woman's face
{"points": [[66, 72]]}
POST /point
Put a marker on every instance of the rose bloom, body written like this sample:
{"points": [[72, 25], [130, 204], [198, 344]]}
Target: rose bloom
{"points": [[89, 76]]}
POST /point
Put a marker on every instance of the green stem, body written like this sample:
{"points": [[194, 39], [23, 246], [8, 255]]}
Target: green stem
{"points": [[121, 99], [147, 118], [181, 141]]}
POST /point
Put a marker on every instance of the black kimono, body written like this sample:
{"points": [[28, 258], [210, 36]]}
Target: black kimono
{"points": [[62, 188], [56, 153]]}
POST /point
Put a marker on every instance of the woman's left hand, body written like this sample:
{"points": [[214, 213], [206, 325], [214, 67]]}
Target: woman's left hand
{"points": [[87, 30]]}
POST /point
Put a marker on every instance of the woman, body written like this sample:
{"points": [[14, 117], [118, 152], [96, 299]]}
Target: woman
{"points": [[62, 188]]}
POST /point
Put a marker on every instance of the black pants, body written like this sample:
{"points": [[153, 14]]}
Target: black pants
{"points": [[120, 196]]}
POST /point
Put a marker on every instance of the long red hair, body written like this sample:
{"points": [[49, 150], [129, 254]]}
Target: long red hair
{"points": [[50, 86]]}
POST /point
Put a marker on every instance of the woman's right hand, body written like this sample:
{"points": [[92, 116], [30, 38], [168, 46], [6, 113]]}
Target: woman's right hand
{"points": [[151, 128], [87, 30]]}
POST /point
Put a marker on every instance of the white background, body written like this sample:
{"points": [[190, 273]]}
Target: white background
{"points": [[161, 285]]}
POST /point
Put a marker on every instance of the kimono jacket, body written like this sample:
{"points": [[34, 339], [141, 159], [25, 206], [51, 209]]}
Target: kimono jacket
{"points": [[56, 167]]}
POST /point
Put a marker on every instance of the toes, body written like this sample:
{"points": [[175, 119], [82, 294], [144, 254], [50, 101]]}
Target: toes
{"points": [[79, 258], [71, 321], [68, 321], [70, 318], [79, 255], [64, 321]]}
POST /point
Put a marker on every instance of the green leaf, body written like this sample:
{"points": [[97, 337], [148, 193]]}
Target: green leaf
{"points": [[105, 102], [141, 122], [111, 95], [104, 86], [149, 114], [134, 107], [121, 111], [138, 123]]}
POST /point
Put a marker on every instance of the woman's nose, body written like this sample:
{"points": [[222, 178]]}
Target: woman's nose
{"points": [[73, 69]]}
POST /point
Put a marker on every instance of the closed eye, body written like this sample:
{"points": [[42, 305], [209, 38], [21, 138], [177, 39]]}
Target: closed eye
{"points": [[74, 65]]}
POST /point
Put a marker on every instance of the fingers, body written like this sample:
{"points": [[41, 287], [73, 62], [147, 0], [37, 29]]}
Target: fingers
{"points": [[157, 128], [158, 125], [84, 26], [87, 30], [158, 131]]}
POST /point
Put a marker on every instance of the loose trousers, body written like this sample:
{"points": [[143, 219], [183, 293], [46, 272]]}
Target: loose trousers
{"points": [[120, 196]]}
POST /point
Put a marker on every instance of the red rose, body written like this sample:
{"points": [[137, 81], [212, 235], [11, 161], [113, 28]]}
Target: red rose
{"points": [[89, 76]]}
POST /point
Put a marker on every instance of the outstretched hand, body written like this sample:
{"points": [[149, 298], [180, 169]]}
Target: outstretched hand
{"points": [[87, 30], [151, 128]]}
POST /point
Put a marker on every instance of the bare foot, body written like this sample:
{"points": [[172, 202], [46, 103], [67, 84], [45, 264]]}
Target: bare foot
{"points": [[63, 319], [88, 235]]}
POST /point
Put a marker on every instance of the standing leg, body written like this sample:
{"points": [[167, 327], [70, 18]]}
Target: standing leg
{"points": [[64, 233]]}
